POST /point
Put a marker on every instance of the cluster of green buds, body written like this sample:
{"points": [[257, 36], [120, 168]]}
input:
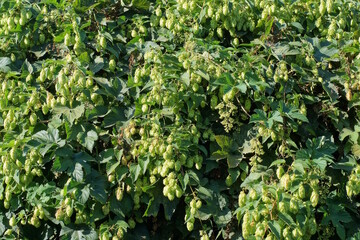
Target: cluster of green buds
{"points": [[353, 184], [191, 212]]}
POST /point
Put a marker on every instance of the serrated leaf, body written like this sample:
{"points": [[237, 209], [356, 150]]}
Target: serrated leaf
{"points": [[241, 86], [117, 115], [206, 193], [158, 199], [91, 137], [297, 25], [47, 139], [2, 226], [331, 90], [202, 13], [223, 217], [29, 67], [97, 65], [234, 160], [269, 25], [296, 114], [98, 186], [70, 114], [353, 135], [259, 115], [287, 219], [253, 177], [277, 162], [234, 174], [144, 164], [4, 62], [49, 136], [135, 171], [223, 141], [141, 4], [338, 216], [84, 194], [79, 233], [111, 166], [78, 172], [203, 74], [184, 180], [275, 228], [185, 77], [106, 155]]}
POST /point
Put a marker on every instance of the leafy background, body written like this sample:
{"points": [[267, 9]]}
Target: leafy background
{"points": [[179, 119]]}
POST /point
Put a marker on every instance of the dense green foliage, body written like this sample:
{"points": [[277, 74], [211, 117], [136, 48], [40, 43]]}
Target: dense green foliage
{"points": [[187, 119]]}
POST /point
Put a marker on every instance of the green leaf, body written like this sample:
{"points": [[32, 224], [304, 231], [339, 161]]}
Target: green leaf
{"points": [[277, 162], [258, 117], [60, 37], [296, 114], [301, 165], [107, 155], [287, 219], [202, 14], [225, 80], [97, 65], [347, 163], [84, 194], [234, 174], [223, 217], [117, 115], [241, 86], [2, 226], [121, 172], [98, 186], [253, 177], [91, 137], [111, 166], [353, 135], [97, 112], [29, 67], [275, 228], [269, 25], [218, 155], [135, 170], [234, 160], [331, 90], [141, 4], [158, 199], [79, 233], [184, 180], [337, 215], [298, 26], [78, 172], [47, 139], [185, 77], [223, 141], [194, 176], [4, 62], [203, 74], [144, 164], [206, 193], [84, 58], [70, 114], [321, 163]]}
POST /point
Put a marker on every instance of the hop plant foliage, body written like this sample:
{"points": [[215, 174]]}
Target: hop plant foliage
{"points": [[184, 119]]}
